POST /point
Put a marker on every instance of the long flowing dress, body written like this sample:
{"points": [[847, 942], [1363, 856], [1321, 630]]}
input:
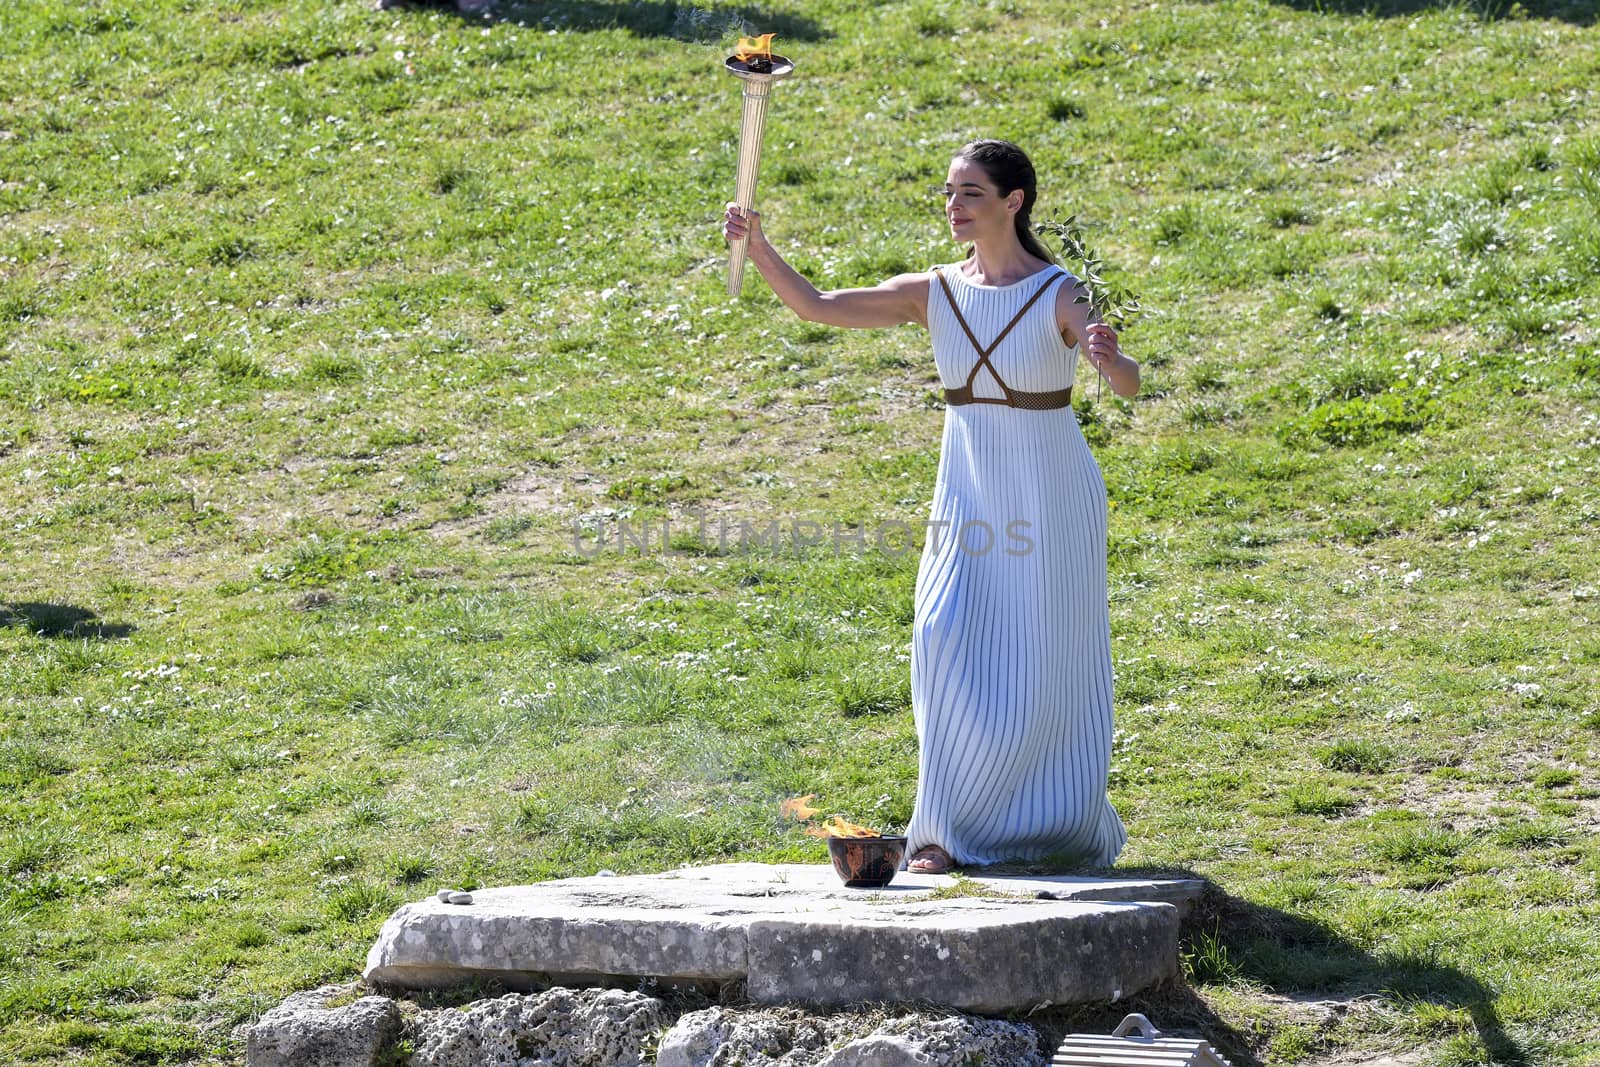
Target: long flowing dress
{"points": [[1011, 648]]}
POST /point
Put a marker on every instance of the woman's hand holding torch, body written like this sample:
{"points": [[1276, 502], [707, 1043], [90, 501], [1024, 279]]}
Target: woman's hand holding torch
{"points": [[739, 225]]}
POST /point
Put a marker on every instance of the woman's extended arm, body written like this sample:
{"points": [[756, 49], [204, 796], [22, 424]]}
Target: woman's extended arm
{"points": [[903, 298]]}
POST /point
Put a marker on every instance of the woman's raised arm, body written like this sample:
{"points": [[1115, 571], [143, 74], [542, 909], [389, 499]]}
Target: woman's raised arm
{"points": [[903, 298]]}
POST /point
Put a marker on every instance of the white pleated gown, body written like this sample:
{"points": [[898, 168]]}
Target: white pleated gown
{"points": [[1011, 645]]}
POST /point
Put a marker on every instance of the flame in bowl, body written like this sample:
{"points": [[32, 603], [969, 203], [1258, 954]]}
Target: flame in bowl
{"points": [[800, 809], [837, 827]]}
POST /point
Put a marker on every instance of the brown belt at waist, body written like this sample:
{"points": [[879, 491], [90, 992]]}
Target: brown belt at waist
{"points": [[1055, 398]]}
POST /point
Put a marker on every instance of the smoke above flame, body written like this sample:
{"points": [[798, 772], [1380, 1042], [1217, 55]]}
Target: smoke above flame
{"points": [[750, 48], [800, 809]]}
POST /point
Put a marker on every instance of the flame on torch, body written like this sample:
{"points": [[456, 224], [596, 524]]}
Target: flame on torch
{"points": [[750, 48]]}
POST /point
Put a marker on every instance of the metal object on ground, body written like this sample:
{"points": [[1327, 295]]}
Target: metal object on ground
{"points": [[758, 75], [1149, 1048]]}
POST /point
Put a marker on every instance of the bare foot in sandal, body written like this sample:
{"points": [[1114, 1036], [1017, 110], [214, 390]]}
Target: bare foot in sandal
{"points": [[931, 860]]}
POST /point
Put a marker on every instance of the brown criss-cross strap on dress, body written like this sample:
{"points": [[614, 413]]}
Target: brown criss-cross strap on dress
{"points": [[1017, 398]]}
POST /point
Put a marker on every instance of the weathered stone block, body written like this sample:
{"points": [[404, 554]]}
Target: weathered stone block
{"points": [[793, 933], [986, 957], [718, 1037], [304, 1032], [917, 1041], [557, 1028]]}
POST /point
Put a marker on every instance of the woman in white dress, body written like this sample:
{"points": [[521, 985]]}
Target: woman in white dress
{"points": [[1011, 643]]}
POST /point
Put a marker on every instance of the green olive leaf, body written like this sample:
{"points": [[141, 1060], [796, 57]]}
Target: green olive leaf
{"points": [[1111, 302]]}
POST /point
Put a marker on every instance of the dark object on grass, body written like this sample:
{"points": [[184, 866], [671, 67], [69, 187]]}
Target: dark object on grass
{"points": [[866, 862], [464, 7], [60, 620]]}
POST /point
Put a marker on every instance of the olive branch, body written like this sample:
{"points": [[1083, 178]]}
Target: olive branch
{"points": [[1109, 301]]}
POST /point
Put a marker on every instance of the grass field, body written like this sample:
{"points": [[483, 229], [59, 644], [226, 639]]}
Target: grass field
{"points": [[334, 341]]}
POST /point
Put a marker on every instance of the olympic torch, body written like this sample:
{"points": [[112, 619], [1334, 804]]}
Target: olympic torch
{"points": [[753, 63]]}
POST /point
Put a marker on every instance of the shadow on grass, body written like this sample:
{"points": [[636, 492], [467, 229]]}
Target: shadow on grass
{"points": [[1577, 12], [646, 18], [61, 620], [1227, 939]]}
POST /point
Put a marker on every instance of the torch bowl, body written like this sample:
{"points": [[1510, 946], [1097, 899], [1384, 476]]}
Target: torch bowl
{"points": [[776, 67], [866, 862]]}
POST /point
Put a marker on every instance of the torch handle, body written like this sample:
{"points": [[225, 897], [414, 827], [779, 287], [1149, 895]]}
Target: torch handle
{"points": [[756, 94]]}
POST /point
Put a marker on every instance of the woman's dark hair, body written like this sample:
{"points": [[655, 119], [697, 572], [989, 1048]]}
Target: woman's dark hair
{"points": [[1009, 168]]}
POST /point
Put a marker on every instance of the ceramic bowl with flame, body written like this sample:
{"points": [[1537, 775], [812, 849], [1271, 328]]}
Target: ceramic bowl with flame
{"points": [[866, 862]]}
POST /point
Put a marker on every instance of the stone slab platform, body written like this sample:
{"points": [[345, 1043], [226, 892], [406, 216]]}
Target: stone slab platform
{"points": [[791, 933]]}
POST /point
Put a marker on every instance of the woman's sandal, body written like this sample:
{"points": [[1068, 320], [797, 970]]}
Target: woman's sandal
{"points": [[931, 860]]}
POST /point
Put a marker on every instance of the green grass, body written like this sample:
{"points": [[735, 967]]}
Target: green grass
{"points": [[326, 332]]}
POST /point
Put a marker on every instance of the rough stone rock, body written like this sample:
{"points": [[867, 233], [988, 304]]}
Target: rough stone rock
{"points": [[915, 1041], [556, 1028], [878, 1050], [720, 1037], [304, 1032], [694, 1039]]}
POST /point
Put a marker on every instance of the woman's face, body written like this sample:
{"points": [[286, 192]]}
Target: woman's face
{"points": [[975, 209]]}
